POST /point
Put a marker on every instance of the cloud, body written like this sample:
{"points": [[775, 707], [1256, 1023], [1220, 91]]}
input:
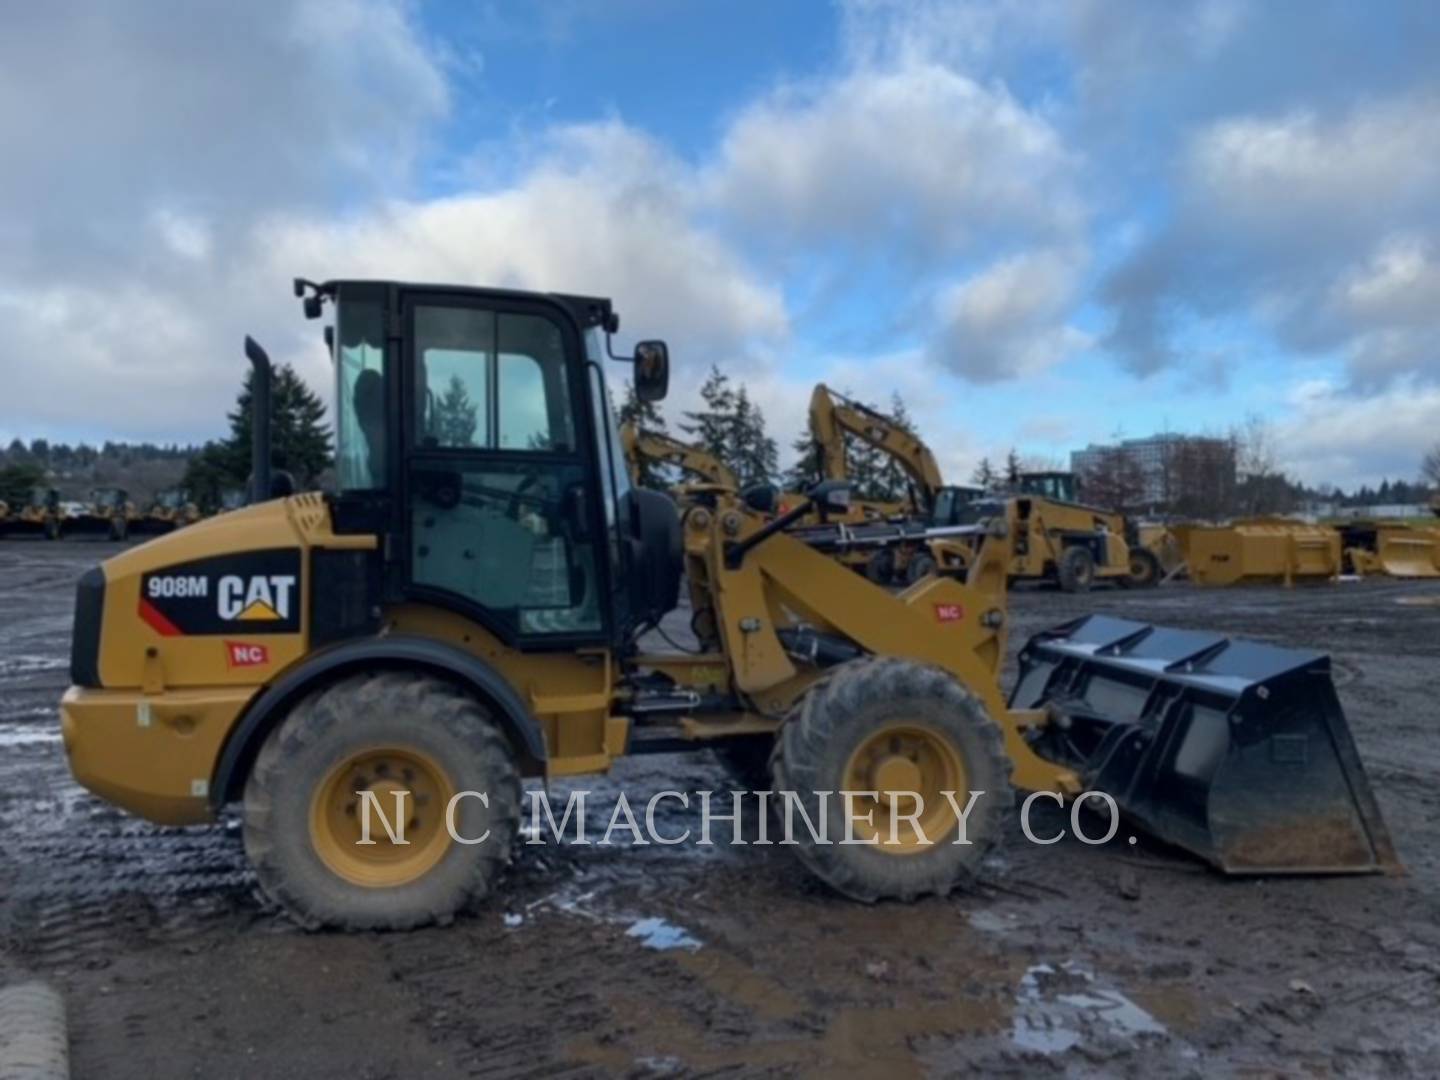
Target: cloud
{"points": [[1010, 319], [140, 314], [1335, 437], [1320, 229], [604, 211], [209, 111], [916, 158]]}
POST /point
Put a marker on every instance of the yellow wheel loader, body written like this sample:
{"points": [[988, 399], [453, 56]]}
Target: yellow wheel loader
{"points": [[464, 613], [43, 514], [171, 510], [1058, 538], [109, 513]]}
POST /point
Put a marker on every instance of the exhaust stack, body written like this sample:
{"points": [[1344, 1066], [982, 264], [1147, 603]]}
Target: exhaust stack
{"points": [[259, 421]]}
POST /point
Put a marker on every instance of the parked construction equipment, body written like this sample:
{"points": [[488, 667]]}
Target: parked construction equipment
{"points": [[1393, 549], [464, 611], [42, 515], [1259, 550], [930, 500], [171, 509], [108, 512], [663, 449]]}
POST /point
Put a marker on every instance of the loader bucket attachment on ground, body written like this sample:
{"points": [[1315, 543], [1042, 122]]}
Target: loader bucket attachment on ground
{"points": [[1235, 750], [1395, 550], [1261, 551]]}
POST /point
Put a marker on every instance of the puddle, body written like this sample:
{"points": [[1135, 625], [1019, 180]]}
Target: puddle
{"points": [[1056, 1009], [651, 931], [661, 935], [27, 735], [25, 665], [990, 922]]}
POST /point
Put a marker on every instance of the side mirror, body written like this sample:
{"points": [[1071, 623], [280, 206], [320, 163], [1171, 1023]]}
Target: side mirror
{"points": [[832, 496], [652, 370]]}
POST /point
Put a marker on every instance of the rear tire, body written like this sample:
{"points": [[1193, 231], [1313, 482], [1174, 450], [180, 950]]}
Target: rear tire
{"points": [[389, 732], [52, 529], [860, 723], [1144, 570], [1076, 569], [118, 529], [881, 567], [922, 565]]}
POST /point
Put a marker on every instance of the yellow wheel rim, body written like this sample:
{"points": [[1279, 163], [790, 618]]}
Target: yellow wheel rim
{"points": [[905, 758], [399, 778]]}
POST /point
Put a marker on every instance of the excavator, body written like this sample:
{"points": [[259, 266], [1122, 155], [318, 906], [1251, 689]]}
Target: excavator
{"points": [[370, 673], [664, 449], [1053, 536], [931, 502]]}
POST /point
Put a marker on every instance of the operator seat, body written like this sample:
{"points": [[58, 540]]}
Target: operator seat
{"points": [[369, 401]]}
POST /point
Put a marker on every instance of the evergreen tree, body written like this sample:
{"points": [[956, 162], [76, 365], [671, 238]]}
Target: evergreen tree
{"points": [[17, 481], [713, 425], [985, 475], [732, 428], [455, 415], [891, 483], [300, 443], [646, 416], [754, 457], [806, 470], [1013, 468]]}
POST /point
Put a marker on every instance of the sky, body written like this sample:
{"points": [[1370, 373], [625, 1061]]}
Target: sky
{"points": [[1043, 222]]}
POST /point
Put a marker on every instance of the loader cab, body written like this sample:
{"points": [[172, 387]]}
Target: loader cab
{"points": [[474, 430], [954, 505], [1056, 486]]}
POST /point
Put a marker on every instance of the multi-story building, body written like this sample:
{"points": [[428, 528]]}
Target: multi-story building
{"points": [[1162, 462]]}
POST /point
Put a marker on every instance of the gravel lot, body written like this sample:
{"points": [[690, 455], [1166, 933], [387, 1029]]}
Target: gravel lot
{"points": [[729, 960]]}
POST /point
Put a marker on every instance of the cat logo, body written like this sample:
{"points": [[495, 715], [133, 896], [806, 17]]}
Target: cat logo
{"points": [[259, 598], [257, 592]]}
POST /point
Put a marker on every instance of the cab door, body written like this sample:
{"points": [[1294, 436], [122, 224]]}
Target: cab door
{"points": [[502, 507]]}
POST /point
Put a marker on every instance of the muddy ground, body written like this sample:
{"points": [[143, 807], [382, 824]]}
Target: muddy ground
{"points": [[1068, 960]]}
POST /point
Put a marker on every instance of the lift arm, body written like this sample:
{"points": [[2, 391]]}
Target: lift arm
{"points": [[665, 450], [832, 416]]}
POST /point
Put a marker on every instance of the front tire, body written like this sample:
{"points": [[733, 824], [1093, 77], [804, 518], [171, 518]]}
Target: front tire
{"points": [[892, 725], [921, 565], [1144, 570], [1076, 570], [416, 743]]}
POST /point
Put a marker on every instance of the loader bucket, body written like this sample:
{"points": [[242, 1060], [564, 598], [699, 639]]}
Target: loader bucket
{"points": [[1234, 750], [1396, 550]]}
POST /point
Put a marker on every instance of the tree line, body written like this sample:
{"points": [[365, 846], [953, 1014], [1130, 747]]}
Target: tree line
{"points": [[300, 439], [1234, 474]]}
